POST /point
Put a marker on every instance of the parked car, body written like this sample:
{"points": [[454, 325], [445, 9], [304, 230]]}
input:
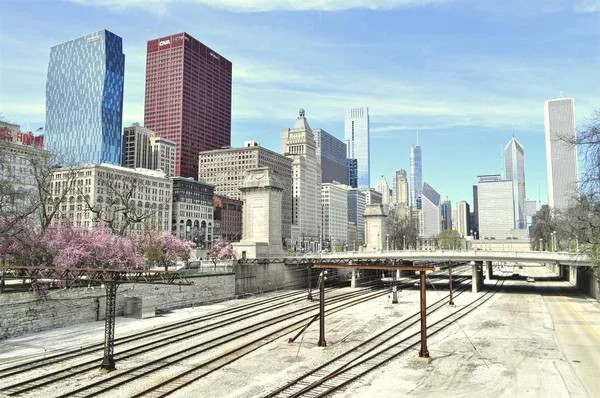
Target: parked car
{"points": [[530, 279]]}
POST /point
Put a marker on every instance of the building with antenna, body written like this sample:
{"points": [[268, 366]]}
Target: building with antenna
{"points": [[416, 175]]}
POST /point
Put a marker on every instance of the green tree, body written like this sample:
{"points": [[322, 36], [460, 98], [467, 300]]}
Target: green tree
{"points": [[449, 239]]}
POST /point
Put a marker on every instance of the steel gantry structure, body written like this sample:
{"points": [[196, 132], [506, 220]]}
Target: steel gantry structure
{"points": [[111, 278], [364, 263]]}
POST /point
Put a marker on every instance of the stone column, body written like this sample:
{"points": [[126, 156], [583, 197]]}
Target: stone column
{"points": [[353, 282]]}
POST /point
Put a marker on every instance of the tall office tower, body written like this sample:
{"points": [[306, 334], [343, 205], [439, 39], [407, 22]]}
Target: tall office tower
{"points": [[188, 98], [84, 99], [462, 222], [400, 187], [416, 176], [514, 164], [353, 173], [357, 134], [334, 200], [475, 214], [561, 153], [357, 204], [530, 212], [298, 144], [446, 210], [431, 211], [332, 154], [227, 168], [384, 189], [142, 149], [495, 207]]}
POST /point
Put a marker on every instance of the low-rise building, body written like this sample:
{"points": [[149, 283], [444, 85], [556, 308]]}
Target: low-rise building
{"points": [[193, 211], [127, 200], [228, 218]]}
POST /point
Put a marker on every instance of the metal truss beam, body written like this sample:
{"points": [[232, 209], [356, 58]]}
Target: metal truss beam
{"points": [[95, 275]]}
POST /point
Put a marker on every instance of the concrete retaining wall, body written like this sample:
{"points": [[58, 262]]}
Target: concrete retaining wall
{"points": [[257, 278], [22, 313], [580, 277]]}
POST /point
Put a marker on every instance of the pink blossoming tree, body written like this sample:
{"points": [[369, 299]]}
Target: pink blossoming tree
{"points": [[163, 248], [221, 250]]}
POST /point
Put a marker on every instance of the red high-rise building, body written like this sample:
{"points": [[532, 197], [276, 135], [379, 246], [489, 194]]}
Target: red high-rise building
{"points": [[188, 98]]}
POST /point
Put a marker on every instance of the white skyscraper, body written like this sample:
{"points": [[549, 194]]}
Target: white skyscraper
{"points": [[462, 218], [384, 189], [334, 201], [298, 144], [430, 206], [357, 135], [495, 207], [515, 172], [561, 153], [400, 187]]}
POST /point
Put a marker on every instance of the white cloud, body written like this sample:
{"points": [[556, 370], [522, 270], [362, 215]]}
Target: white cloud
{"points": [[162, 6], [588, 6]]}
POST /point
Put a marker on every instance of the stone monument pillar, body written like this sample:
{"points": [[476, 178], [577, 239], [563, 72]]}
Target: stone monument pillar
{"points": [[262, 195], [375, 228]]}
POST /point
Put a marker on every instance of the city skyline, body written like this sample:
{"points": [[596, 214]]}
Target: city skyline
{"points": [[443, 103]]}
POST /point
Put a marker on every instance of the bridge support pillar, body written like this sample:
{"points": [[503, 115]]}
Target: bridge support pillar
{"points": [[397, 274], [477, 281], [488, 270], [353, 280]]}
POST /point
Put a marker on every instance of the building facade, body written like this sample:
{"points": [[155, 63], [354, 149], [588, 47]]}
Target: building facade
{"points": [[356, 210], [353, 173], [84, 99], [193, 211], [372, 196], [400, 183], [188, 97], [530, 213], [431, 211], [334, 200], [357, 135], [446, 210], [21, 155], [384, 189], [561, 153], [515, 171], [298, 144], [98, 192], [226, 169], [496, 211], [416, 176], [142, 149], [228, 218], [462, 220], [331, 153]]}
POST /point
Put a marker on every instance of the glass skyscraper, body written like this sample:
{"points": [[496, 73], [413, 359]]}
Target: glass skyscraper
{"points": [[514, 165], [84, 99], [357, 132], [416, 176], [332, 154]]}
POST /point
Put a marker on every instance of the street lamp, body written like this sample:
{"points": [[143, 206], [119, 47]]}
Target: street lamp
{"points": [[403, 242], [577, 243], [387, 242], [554, 242]]}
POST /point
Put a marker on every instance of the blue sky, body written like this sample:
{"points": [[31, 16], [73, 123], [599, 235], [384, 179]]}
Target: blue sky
{"points": [[467, 74]]}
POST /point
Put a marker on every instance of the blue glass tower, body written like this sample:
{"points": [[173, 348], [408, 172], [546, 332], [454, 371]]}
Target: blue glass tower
{"points": [[84, 99], [357, 134]]}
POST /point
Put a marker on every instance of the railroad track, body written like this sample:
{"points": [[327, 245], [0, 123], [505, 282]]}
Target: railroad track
{"points": [[373, 353], [270, 304], [68, 372]]}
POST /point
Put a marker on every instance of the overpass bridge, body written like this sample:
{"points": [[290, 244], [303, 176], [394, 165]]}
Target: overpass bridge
{"points": [[519, 257]]}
